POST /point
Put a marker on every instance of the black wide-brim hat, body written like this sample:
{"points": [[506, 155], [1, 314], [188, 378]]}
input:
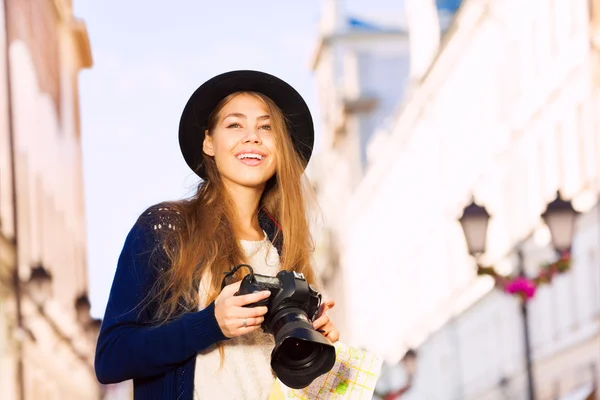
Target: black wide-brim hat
{"points": [[203, 101]]}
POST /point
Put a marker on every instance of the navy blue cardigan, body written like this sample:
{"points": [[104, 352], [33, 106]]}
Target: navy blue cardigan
{"points": [[159, 359]]}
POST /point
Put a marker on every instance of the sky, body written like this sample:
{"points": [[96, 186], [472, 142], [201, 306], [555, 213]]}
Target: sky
{"points": [[148, 59]]}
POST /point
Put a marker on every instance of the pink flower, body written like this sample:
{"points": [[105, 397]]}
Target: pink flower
{"points": [[523, 286]]}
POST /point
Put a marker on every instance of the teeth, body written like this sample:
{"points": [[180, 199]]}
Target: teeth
{"points": [[250, 155]]}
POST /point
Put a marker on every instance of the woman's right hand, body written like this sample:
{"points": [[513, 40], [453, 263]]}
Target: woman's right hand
{"points": [[233, 318]]}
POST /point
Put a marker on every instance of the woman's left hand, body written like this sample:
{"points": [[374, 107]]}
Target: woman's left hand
{"points": [[324, 324]]}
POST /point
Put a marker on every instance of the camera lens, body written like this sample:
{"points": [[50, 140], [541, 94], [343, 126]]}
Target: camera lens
{"points": [[301, 354], [297, 351]]}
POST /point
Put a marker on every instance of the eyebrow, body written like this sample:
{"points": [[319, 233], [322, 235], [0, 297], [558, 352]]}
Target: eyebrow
{"points": [[240, 115]]}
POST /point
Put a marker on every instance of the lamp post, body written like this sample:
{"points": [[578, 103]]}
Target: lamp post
{"points": [[560, 219]]}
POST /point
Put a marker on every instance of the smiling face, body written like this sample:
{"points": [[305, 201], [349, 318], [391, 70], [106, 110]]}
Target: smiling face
{"points": [[242, 142]]}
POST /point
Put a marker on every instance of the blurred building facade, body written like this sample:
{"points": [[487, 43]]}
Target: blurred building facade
{"points": [[47, 337], [353, 62], [503, 112]]}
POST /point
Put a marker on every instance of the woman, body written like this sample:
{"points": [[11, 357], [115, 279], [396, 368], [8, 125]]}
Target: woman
{"points": [[168, 325]]}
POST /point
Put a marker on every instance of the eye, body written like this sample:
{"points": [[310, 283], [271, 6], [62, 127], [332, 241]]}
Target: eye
{"points": [[266, 127], [234, 125]]}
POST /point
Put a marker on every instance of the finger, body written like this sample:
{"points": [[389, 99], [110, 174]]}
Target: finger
{"points": [[250, 312], [234, 287], [329, 304], [247, 329], [230, 289], [321, 321], [236, 324], [251, 322], [326, 328], [323, 331], [250, 298], [333, 336], [325, 306]]}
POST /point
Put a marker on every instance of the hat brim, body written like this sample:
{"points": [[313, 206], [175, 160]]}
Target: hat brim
{"points": [[203, 101]]}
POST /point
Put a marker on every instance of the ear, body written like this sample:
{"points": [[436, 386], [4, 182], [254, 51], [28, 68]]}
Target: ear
{"points": [[207, 144]]}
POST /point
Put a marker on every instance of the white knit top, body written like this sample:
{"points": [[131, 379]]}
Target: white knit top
{"points": [[246, 373]]}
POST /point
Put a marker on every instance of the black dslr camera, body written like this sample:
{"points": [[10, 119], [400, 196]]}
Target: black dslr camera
{"points": [[301, 354]]}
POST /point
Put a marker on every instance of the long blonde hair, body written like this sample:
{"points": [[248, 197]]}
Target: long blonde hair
{"points": [[205, 238]]}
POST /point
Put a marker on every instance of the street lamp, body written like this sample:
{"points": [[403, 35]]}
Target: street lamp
{"points": [[474, 222], [560, 218]]}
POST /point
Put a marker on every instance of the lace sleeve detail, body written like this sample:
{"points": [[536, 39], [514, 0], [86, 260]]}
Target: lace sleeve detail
{"points": [[158, 221], [161, 217]]}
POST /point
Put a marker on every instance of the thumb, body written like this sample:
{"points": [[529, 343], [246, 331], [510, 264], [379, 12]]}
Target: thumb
{"points": [[232, 288]]}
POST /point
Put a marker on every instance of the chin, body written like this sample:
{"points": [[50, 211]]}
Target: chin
{"points": [[250, 180]]}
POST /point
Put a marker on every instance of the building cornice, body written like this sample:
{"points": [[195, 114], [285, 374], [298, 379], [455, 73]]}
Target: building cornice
{"points": [[77, 28], [82, 43]]}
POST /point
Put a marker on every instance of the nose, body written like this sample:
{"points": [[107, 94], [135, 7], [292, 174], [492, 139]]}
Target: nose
{"points": [[252, 137]]}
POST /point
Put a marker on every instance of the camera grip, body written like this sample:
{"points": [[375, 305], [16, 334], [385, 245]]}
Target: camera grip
{"points": [[248, 287]]}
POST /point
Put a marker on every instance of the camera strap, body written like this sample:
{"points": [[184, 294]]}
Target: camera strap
{"points": [[233, 271]]}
